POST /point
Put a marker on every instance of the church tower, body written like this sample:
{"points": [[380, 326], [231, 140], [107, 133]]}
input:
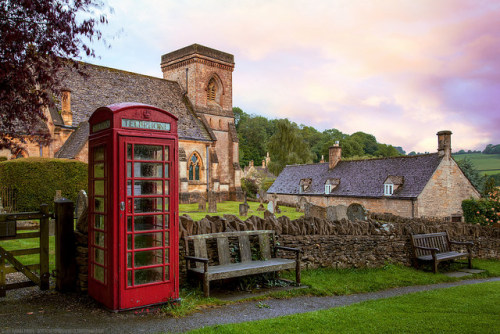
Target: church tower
{"points": [[206, 75]]}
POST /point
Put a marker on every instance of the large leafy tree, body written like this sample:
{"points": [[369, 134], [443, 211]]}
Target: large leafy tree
{"points": [[287, 147], [37, 38]]}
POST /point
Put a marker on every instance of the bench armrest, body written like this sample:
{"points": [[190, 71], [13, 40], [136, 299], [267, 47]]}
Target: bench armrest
{"points": [[292, 249], [197, 259]]}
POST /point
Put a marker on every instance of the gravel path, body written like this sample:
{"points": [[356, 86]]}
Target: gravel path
{"points": [[34, 311]]}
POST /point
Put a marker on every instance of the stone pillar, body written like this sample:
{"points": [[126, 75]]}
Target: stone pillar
{"points": [[212, 202]]}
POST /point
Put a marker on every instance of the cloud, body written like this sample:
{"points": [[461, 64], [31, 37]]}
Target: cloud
{"points": [[401, 70]]}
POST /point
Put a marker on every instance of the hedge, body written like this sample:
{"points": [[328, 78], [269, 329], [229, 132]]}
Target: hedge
{"points": [[37, 179]]}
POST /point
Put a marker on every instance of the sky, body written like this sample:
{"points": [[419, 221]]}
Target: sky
{"points": [[400, 70]]}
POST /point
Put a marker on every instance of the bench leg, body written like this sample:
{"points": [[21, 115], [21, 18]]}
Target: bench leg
{"points": [[435, 266], [470, 261], [206, 286]]}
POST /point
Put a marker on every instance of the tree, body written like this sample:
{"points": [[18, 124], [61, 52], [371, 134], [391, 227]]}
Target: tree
{"points": [[287, 147], [470, 171], [38, 38]]}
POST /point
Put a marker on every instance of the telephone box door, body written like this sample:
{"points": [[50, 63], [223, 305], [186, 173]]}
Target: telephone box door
{"points": [[147, 202]]}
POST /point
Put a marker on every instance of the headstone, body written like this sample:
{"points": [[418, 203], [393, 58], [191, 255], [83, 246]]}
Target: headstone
{"points": [[270, 207], [81, 203], [212, 202], [336, 213], [302, 204], [58, 195], [356, 212], [268, 214], [243, 209], [202, 203], [276, 207]]}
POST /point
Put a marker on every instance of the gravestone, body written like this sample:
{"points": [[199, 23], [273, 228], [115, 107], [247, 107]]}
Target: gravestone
{"points": [[202, 203], [212, 202], [58, 195], [270, 207], [268, 214], [81, 203], [276, 207], [356, 212], [243, 209], [302, 204], [336, 213]]}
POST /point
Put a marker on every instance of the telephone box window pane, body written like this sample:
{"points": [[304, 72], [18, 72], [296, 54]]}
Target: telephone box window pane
{"points": [[147, 223], [167, 253], [99, 170], [129, 224], [142, 205], [167, 273], [167, 238], [99, 153], [147, 240], [99, 187], [129, 241], [99, 238], [167, 187], [99, 204], [167, 218], [147, 188], [129, 188], [149, 275], [148, 152], [129, 274], [166, 204], [129, 169], [148, 169], [129, 151], [99, 273], [167, 155], [98, 256], [147, 258], [129, 260], [166, 171], [99, 222]]}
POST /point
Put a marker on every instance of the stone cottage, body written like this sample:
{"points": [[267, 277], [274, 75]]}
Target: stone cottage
{"points": [[429, 185], [196, 87]]}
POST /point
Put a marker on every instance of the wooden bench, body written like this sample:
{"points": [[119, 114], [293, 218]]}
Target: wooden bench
{"points": [[436, 247], [241, 263]]}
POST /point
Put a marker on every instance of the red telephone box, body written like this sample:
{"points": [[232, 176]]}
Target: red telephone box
{"points": [[133, 206]]}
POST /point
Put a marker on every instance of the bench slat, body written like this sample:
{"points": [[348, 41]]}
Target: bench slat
{"points": [[223, 251], [245, 252], [200, 250], [265, 250]]}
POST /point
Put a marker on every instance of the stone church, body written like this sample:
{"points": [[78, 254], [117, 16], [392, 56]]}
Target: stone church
{"points": [[196, 87]]}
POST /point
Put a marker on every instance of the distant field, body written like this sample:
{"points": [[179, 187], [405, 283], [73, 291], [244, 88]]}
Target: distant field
{"points": [[485, 163]]}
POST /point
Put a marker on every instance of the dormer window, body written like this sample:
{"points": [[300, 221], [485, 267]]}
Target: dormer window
{"points": [[392, 183], [304, 185], [388, 189], [331, 185]]}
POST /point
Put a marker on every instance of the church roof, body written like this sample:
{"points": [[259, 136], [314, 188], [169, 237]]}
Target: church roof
{"points": [[75, 142], [360, 178], [102, 86]]}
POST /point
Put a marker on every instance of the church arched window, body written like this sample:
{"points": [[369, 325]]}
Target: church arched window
{"points": [[194, 167], [211, 90]]}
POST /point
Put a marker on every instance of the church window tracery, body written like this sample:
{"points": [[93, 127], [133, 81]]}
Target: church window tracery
{"points": [[194, 167]]}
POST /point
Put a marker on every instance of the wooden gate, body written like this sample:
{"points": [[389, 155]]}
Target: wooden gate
{"points": [[8, 231]]}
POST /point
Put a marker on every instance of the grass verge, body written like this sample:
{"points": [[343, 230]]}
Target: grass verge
{"points": [[463, 309]]}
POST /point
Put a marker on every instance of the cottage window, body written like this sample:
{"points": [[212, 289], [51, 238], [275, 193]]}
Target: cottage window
{"points": [[388, 189], [194, 167], [304, 185], [328, 188]]}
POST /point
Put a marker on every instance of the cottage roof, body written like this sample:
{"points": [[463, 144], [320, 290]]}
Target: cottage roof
{"points": [[361, 178], [74, 143], [102, 86]]}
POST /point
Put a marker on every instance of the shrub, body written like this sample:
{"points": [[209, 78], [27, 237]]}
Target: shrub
{"points": [[484, 211], [3, 159], [250, 186], [37, 179], [267, 183]]}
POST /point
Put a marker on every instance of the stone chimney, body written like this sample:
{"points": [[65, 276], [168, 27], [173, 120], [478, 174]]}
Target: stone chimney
{"points": [[66, 114], [322, 159], [444, 143], [335, 154]]}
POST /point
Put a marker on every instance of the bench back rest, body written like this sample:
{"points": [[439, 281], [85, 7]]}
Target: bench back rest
{"points": [[431, 240], [266, 242]]}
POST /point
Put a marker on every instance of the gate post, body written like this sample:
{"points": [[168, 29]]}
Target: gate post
{"points": [[65, 245], [44, 247]]}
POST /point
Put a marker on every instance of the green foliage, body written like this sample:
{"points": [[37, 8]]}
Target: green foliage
{"points": [[483, 211], [37, 179], [266, 184], [287, 147], [250, 187], [3, 159], [492, 149], [470, 171]]}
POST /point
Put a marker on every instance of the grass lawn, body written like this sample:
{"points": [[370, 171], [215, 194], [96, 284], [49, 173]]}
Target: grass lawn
{"points": [[463, 309], [485, 163], [31, 243], [231, 208], [330, 282]]}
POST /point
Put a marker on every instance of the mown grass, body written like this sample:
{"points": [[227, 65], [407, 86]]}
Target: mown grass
{"points": [[232, 208], [331, 282], [30, 243], [463, 309]]}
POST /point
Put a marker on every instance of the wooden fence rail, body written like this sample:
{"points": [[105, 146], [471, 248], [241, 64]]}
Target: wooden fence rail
{"points": [[42, 280]]}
